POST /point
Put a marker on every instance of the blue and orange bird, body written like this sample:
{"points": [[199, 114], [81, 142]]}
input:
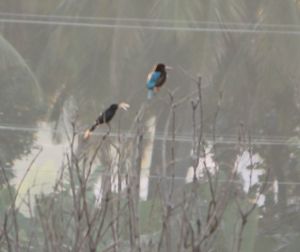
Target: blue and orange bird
{"points": [[156, 78]]}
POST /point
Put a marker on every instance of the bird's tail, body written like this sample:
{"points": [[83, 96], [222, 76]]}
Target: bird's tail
{"points": [[88, 132], [150, 94]]}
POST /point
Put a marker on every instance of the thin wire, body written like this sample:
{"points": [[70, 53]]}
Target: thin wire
{"points": [[255, 140], [148, 27], [201, 181], [144, 20]]}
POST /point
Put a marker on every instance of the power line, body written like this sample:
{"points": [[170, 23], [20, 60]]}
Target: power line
{"points": [[122, 25], [143, 20], [225, 139], [200, 181]]}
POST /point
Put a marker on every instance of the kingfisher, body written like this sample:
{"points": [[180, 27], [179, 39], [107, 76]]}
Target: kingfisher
{"points": [[156, 78], [106, 117]]}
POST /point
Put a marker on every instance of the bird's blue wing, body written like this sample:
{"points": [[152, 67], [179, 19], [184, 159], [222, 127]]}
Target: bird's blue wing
{"points": [[152, 79]]}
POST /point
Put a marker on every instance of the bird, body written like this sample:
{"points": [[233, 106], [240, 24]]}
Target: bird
{"points": [[156, 78], [106, 117]]}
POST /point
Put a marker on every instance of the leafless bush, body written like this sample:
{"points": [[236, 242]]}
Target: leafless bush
{"points": [[75, 218]]}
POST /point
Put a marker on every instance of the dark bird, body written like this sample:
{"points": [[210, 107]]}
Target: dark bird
{"points": [[105, 117], [157, 78]]}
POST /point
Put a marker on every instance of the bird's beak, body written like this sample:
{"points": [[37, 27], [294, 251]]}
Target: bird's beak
{"points": [[124, 105], [168, 68]]}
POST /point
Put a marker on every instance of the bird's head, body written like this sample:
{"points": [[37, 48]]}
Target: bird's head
{"points": [[114, 107], [160, 67], [124, 105]]}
